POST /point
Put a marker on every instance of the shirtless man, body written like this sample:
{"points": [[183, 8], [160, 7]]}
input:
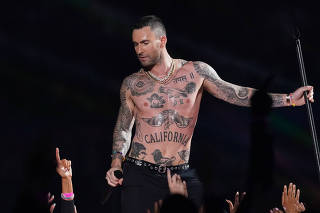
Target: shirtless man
{"points": [[163, 100]]}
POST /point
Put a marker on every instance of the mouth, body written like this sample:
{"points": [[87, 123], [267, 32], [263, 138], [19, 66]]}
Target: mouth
{"points": [[142, 58]]}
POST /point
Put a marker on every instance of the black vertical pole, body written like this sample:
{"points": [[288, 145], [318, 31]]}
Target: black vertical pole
{"points": [[309, 108]]}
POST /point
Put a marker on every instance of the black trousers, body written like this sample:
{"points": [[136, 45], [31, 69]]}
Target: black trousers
{"points": [[142, 187]]}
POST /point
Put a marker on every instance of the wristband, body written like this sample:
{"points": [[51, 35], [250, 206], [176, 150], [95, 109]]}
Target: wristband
{"points": [[117, 154], [291, 100], [67, 196], [288, 100]]}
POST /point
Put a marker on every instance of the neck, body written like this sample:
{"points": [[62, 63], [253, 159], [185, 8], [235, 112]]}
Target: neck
{"points": [[162, 67]]}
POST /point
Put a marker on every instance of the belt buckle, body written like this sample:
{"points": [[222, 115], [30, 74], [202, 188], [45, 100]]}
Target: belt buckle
{"points": [[162, 169]]}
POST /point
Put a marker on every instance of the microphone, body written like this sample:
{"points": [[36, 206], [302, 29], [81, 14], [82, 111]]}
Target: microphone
{"points": [[118, 174]]}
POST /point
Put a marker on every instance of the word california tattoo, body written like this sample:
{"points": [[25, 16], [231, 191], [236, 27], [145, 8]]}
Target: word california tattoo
{"points": [[167, 136], [159, 159], [140, 85], [156, 101], [168, 117]]}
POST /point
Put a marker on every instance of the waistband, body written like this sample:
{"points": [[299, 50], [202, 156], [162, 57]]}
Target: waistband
{"points": [[158, 169]]}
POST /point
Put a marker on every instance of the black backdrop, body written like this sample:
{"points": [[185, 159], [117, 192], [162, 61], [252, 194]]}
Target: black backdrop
{"points": [[62, 63]]}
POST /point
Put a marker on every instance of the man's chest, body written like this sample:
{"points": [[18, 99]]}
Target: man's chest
{"points": [[179, 94]]}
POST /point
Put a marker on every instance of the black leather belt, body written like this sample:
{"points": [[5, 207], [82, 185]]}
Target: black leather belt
{"points": [[162, 169]]}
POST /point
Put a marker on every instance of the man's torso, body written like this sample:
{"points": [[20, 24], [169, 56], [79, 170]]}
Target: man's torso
{"points": [[165, 115]]}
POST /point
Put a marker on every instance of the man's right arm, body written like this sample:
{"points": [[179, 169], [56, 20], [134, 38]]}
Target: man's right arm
{"points": [[122, 130]]}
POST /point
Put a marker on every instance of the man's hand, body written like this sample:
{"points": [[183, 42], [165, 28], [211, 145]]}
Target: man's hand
{"points": [[298, 98], [237, 200], [63, 166], [290, 200], [176, 185], [112, 179]]}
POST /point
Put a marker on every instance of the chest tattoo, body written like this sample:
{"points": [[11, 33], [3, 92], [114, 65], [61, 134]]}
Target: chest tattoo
{"points": [[180, 79], [140, 86], [156, 101], [168, 117], [176, 94]]}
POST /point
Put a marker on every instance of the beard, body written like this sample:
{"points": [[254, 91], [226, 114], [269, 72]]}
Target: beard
{"points": [[148, 65]]}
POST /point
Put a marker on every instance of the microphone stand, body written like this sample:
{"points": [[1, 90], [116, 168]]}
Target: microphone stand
{"points": [[309, 107]]}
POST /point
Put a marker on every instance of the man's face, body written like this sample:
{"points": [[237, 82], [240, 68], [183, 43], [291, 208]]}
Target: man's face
{"points": [[147, 46]]}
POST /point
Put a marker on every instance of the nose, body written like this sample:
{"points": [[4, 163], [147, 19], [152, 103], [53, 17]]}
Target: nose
{"points": [[139, 49]]}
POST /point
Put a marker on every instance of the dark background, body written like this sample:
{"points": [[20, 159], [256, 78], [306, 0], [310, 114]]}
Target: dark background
{"points": [[62, 63]]}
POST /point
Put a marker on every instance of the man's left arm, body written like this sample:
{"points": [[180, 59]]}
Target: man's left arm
{"points": [[240, 95]]}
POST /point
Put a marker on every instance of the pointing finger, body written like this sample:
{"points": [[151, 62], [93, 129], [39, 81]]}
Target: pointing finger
{"points": [[57, 154]]}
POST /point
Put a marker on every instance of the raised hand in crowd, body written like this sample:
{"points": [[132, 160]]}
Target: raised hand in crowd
{"points": [[65, 171], [290, 199], [50, 202], [176, 184], [276, 210], [63, 166], [233, 207]]}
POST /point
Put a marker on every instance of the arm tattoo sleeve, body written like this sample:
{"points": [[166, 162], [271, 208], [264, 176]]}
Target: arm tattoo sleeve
{"points": [[278, 100], [122, 130], [228, 92]]}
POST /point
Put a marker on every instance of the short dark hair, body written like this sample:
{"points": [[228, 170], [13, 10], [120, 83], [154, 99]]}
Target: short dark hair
{"points": [[153, 22]]}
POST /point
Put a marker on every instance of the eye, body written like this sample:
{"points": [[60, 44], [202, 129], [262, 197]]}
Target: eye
{"points": [[146, 42]]}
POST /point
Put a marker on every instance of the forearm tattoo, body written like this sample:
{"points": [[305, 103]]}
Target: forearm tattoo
{"points": [[277, 100], [226, 91], [122, 130]]}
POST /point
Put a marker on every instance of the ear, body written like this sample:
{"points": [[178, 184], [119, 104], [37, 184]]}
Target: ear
{"points": [[163, 40]]}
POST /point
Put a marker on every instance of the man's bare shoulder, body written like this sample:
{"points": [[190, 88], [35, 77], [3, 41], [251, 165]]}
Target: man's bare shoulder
{"points": [[205, 70], [138, 83], [182, 62]]}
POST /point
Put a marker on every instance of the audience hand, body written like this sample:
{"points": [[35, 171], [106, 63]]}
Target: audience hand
{"points": [[63, 166], [234, 207], [290, 199], [176, 185], [156, 207], [50, 200], [276, 210]]}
